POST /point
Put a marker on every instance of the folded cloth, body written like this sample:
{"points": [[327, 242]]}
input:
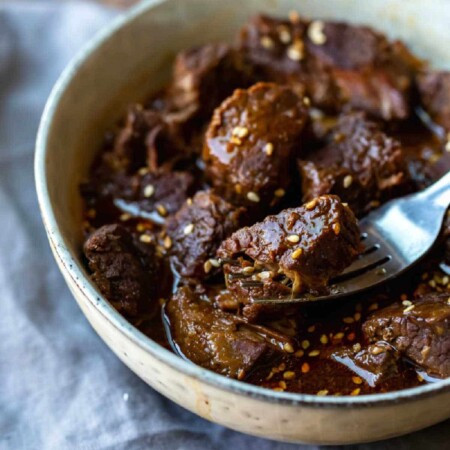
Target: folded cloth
{"points": [[60, 386]]}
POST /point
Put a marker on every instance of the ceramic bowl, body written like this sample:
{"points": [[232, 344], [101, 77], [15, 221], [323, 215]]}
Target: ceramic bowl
{"points": [[124, 63]]}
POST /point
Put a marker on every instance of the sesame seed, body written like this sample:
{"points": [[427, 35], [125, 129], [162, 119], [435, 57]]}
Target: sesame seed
{"points": [[376, 350], [188, 229], [347, 182], [149, 190], [357, 316], [314, 353], [348, 320], [284, 34], [373, 307], [294, 238], [322, 392], [311, 329], [338, 336], [264, 275], [296, 253], [288, 348], [161, 210], [432, 283], [282, 384], [299, 353], [406, 302], [336, 228], [189, 201], [447, 146], [357, 347], [143, 171], [445, 280], [357, 380], [409, 308], [312, 204], [289, 375], [305, 344], [294, 17], [425, 351], [240, 132], [214, 262], [253, 197], [235, 140], [278, 389], [248, 270], [125, 216], [145, 238], [167, 242], [420, 377], [207, 266], [267, 42], [296, 51], [280, 192], [140, 227], [241, 374], [316, 33], [268, 148], [355, 392], [305, 368], [324, 339], [238, 189], [306, 101]]}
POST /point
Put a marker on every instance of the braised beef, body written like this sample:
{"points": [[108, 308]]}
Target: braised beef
{"points": [[211, 338], [250, 143], [198, 229], [434, 90], [308, 245], [328, 113], [419, 329], [338, 63], [124, 270], [360, 164], [206, 75], [375, 364]]}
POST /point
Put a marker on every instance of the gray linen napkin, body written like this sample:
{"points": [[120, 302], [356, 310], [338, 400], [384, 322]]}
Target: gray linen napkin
{"points": [[60, 386]]}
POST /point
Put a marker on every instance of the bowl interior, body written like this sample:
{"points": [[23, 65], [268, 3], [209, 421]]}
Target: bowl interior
{"points": [[132, 58]]}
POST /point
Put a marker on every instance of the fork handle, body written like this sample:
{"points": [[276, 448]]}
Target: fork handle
{"points": [[439, 192]]}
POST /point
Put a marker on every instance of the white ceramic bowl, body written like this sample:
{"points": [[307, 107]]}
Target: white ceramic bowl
{"points": [[124, 63]]}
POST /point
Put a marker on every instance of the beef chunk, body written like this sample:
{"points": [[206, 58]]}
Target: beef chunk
{"points": [[420, 331], [307, 245], [124, 270], [211, 338], [250, 143], [338, 63], [149, 195], [156, 195], [204, 76], [375, 364], [197, 231], [434, 91], [360, 163], [148, 138]]}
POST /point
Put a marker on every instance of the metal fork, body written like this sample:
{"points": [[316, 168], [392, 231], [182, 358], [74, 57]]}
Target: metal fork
{"points": [[395, 237]]}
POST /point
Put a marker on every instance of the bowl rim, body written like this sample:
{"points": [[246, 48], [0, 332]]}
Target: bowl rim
{"points": [[86, 287]]}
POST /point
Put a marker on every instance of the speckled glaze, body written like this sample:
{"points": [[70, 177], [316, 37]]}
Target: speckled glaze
{"points": [[127, 61]]}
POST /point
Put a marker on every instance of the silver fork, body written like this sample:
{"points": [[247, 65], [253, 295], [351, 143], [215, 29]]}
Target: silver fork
{"points": [[395, 237]]}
